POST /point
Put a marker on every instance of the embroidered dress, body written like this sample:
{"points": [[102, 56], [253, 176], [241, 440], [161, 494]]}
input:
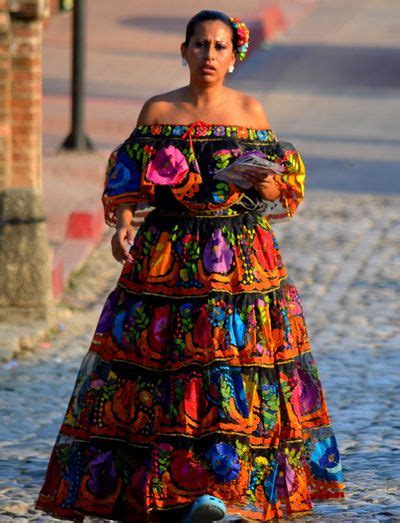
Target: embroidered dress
{"points": [[200, 377]]}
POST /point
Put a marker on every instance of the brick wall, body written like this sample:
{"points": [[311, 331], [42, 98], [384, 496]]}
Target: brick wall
{"points": [[21, 24], [26, 112], [5, 96]]}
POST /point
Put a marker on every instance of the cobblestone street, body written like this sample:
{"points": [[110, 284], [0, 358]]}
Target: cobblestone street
{"points": [[341, 250]]}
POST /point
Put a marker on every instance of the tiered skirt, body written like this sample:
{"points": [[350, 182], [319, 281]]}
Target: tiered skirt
{"points": [[199, 379]]}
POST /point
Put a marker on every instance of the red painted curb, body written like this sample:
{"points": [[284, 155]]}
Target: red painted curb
{"points": [[85, 229], [273, 21], [57, 277], [265, 25], [86, 225]]}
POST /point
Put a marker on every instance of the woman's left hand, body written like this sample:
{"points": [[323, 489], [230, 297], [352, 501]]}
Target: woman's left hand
{"points": [[265, 184]]}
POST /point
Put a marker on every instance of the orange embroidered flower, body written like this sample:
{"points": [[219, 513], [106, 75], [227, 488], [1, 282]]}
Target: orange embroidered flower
{"points": [[161, 258], [156, 129], [146, 398], [189, 188], [242, 132]]}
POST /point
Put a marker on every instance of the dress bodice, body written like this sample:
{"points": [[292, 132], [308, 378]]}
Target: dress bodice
{"points": [[172, 167]]}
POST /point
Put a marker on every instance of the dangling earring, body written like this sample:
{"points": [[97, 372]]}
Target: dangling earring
{"points": [[231, 68], [184, 62]]}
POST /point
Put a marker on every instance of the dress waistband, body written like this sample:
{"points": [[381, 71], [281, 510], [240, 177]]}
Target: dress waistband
{"points": [[206, 213]]}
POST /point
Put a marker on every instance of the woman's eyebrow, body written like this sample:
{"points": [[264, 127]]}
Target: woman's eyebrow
{"points": [[203, 38]]}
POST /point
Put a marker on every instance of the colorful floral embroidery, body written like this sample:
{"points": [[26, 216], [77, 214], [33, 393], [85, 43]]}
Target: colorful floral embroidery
{"points": [[243, 34], [167, 167], [200, 377]]}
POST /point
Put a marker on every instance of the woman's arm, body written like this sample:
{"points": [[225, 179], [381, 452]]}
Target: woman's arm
{"points": [[124, 215], [124, 232]]}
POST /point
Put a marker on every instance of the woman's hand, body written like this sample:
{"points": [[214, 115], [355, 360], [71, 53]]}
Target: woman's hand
{"points": [[265, 184], [119, 248], [124, 233]]}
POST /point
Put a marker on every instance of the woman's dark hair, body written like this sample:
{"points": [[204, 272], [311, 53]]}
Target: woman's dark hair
{"points": [[205, 16]]}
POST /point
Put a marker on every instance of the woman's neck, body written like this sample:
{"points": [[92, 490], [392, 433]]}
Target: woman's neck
{"points": [[201, 96]]}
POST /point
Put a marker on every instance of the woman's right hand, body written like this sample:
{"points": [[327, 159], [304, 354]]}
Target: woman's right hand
{"points": [[124, 233], [120, 250]]}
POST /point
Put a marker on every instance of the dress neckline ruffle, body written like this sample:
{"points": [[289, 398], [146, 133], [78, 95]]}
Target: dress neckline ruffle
{"points": [[203, 130]]}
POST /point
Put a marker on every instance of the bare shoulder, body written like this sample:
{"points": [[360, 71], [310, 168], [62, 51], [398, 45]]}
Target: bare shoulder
{"points": [[157, 109], [150, 112], [255, 111], [250, 110]]}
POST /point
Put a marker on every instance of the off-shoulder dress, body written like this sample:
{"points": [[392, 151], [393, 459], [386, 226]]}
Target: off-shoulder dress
{"points": [[200, 376]]}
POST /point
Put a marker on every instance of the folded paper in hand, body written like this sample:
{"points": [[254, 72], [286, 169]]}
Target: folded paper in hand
{"points": [[248, 162]]}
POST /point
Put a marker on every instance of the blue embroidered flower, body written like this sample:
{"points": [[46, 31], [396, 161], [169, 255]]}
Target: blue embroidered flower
{"points": [[217, 316], [218, 197], [221, 192], [270, 489], [240, 393], [237, 329], [330, 458], [186, 310], [118, 328], [178, 130], [219, 130], [124, 176], [106, 317], [224, 462], [325, 460], [262, 135]]}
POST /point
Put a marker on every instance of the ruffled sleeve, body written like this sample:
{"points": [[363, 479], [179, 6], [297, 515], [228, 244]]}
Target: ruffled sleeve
{"points": [[291, 183], [124, 179]]}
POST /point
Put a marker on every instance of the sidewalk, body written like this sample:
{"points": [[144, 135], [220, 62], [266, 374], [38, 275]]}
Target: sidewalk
{"points": [[132, 55]]}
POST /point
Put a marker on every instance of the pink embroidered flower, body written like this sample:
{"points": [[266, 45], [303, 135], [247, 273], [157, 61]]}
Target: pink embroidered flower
{"points": [[305, 395], [168, 167], [295, 308], [310, 396], [260, 348], [159, 326]]}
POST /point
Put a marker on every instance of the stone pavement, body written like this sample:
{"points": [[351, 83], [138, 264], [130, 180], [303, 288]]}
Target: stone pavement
{"points": [[320, 86]]}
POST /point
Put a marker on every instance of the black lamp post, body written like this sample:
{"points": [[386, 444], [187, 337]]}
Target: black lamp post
{"points": [[77, 139]]}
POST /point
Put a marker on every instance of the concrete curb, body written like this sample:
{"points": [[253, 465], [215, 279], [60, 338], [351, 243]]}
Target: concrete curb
{"points": [[85, 229], [74, 212]]}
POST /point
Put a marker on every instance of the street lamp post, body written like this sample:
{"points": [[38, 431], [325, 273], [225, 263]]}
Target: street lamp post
{"points": [[77, 139]]}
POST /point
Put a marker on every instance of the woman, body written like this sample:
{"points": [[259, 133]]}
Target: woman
{"points": [[199, 394]]}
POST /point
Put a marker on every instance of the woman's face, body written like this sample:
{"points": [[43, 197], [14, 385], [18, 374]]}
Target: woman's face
{"points": [[210, 51]]}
